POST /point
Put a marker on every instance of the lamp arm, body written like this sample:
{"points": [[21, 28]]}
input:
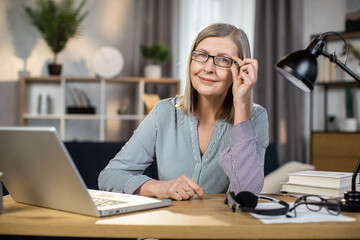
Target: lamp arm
{"points": [[334, 59], [353, 179]]}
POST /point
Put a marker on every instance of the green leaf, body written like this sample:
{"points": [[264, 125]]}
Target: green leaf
{"points": [[57, 22], [349, 103], [156, 53]]}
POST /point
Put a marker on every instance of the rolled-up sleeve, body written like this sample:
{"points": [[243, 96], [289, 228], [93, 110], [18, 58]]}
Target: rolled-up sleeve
{"points": [[243, 160]]}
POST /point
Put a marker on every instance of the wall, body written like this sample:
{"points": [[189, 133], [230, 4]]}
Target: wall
{"points": [[22, 50], [9, 103], [323, 15]]}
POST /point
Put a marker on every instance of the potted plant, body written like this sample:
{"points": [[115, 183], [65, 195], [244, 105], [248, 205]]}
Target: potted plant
{"points": [[331, 123], [57, 23], [155, 54], [350, 121]]}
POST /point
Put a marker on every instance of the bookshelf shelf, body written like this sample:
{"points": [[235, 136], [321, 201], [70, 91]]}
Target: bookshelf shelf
{"points": [[82, 116], [41, 116], [339, 84], [125, 117], [106, 96]]}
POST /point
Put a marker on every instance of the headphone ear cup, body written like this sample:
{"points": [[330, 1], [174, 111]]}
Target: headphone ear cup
{"points": [[246, 199], [233, 195]]}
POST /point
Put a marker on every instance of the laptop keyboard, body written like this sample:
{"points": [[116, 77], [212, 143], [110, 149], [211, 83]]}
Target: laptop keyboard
{"points": [[100, 202]]}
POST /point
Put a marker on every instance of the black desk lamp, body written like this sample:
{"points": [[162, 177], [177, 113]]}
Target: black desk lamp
{"points": [[301, 68]]}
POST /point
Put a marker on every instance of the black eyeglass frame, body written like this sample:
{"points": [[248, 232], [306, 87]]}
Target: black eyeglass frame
{"points": [[213, 57], [324, 203]]}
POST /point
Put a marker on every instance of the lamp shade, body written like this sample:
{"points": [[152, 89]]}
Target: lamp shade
{"points": [[300, 68]]}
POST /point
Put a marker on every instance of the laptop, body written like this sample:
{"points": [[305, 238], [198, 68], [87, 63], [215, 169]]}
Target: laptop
{"points": [[38, 170]]}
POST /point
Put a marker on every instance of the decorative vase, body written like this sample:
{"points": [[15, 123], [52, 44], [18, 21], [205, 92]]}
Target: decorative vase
{"points": [[152, 71], [54, 69], [350, 125], [332, 126]]}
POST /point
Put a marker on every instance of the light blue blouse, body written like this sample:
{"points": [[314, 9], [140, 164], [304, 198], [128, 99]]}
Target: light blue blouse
{"points": [[170, 138]]}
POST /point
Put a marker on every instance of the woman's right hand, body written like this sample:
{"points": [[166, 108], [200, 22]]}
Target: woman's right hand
{"points": [[181, 188]]}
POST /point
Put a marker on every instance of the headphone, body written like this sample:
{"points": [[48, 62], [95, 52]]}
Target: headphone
{"points": [[246, 202]]}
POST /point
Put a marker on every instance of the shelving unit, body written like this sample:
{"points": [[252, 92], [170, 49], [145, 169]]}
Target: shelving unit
{"points": [[334, 150], [107, 96], [331, 86]]}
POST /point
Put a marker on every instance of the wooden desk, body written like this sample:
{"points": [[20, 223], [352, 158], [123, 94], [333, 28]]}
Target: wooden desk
{"points": [[196, 219]]}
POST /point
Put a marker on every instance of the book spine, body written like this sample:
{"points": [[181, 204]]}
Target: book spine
{"points": [[319, 181], [313, 190], [75, 97]]}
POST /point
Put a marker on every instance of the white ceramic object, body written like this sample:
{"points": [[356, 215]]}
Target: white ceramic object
{"points": [[152, 71], [350, 125]]}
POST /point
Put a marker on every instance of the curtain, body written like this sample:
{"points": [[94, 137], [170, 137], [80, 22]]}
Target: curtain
{"points": [[153, 23], [278, 32]]}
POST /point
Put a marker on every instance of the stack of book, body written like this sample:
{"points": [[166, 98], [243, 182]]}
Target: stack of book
{"points": [[82, 104], [323, 183]]}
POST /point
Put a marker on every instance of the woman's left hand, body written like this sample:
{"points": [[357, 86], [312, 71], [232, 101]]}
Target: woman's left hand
{"points": [[244, 78]]}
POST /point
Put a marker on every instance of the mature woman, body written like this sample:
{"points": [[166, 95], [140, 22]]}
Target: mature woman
{"points": [[210, 139]]}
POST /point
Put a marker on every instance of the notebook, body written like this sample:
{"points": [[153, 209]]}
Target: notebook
{"points": [[38, 170]]}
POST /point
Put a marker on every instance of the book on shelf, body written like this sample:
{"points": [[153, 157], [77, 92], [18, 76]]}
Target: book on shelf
{"points": [[75, 97], [82, 97], [325, 70], [321, 178], [81, 101], [330, 191], [79, 98]]}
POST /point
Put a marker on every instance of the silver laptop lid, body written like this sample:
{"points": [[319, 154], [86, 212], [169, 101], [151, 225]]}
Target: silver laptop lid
{"points": [[38, 170]]}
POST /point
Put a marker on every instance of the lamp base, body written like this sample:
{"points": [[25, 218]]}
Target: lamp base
{"points": [[350, 207], [351, 202]]}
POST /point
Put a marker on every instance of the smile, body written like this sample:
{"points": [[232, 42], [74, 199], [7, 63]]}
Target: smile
{"points": [[207, 80]]}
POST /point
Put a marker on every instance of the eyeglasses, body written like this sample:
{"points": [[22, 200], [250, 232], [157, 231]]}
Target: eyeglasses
{"points": [[315, 203], [220, 61]]}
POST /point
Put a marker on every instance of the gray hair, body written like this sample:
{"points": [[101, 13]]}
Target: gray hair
{"points": [[188, 102]]}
